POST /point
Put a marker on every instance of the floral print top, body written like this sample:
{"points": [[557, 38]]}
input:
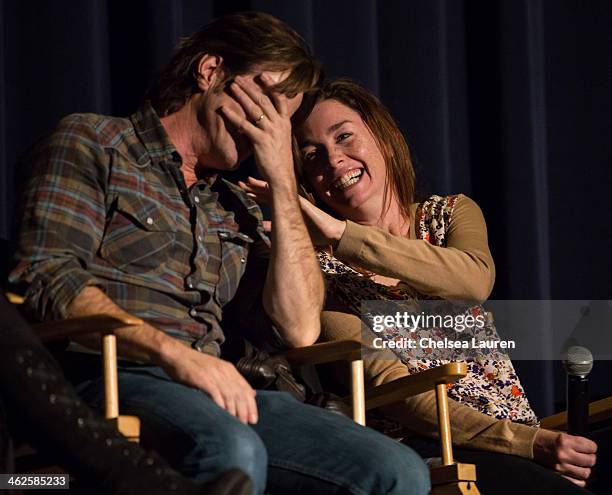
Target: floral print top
{"points": [[491, 385]]}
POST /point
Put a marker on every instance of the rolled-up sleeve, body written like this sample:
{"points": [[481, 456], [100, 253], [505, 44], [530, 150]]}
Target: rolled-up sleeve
{"points": [[63, 218]]}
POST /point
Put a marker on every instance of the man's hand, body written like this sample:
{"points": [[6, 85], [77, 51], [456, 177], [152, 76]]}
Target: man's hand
{"points": [[218, 378], [267, 124], [570, 456], [322, 227], [293, 291], [147, 344]]}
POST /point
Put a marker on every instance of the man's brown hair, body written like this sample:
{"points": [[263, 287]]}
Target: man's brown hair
{"points": [[400, 178], [246, 42]]}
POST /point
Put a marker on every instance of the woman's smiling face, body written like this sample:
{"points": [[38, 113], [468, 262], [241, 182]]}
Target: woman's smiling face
{"points": [[342, 161]]}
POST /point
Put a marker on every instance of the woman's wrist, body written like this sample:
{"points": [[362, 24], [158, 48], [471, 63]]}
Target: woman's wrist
{"points": [[543, 445], [337, 233]]}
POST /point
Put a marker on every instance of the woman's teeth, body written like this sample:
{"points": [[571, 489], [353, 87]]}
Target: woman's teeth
{"points": [[348, 179]]}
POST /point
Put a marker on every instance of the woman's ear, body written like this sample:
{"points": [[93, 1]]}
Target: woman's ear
{"points": [[209, 71]]}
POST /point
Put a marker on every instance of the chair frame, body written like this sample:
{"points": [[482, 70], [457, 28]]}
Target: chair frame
{"points": [[103, 324], [449, 478]]}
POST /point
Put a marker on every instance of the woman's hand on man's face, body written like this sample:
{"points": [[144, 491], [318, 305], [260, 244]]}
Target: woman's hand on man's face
{"points": [[322, 227]]}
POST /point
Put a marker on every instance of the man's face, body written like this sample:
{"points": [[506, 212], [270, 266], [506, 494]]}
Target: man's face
{"points": [[223, 146]]}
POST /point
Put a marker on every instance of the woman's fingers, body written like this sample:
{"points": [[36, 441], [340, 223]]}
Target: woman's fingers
{"points": [[580, 483], [258, 183], [569, 455], [584, 460], [244, 186], [256, 189], [583, 444], [576, 450], [576, 472]]}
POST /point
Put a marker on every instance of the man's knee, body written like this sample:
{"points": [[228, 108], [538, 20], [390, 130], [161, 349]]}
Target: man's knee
{"points": [[242, 448], [237, 446], [404, 471]]}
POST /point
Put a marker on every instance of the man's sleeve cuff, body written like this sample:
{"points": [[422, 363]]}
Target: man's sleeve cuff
{"points": [[65, 288]]}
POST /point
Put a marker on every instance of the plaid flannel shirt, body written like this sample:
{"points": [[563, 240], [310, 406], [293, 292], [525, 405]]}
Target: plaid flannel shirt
{"points": [[107, 206]]}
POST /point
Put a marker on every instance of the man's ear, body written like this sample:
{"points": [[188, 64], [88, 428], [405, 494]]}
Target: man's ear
{"points": [[209, 71]]}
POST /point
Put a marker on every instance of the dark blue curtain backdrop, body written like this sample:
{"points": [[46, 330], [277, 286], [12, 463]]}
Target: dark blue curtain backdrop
{"points": [[507, 101]]}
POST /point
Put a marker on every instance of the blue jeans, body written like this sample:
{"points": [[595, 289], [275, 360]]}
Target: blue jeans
{"points": [[294, 448]]}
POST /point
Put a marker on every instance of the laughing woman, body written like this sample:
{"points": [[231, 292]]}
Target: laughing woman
{"points": [[378, 243]]}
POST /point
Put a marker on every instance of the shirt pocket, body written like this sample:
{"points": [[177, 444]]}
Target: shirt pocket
{"points": [[234, 253], [140, 236]]}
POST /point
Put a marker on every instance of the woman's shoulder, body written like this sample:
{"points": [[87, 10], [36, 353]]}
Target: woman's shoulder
{"points": [[437, 201], [436, 205], [435, 215]]}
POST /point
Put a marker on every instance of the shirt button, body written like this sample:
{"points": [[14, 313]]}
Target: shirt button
{"points": [[193, 312], [149, 220], [196, 199]]}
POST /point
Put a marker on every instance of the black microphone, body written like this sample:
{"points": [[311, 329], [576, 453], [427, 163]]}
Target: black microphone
{"points": [[578, 364]]}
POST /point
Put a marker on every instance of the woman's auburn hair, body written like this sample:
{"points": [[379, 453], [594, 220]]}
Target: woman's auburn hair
{"points": [[400, 177]]}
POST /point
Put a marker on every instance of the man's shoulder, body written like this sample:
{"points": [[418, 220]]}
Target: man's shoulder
{"points": [[103, 130]]}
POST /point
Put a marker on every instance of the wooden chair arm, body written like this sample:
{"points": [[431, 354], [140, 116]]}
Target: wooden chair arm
{"points": [[414, 384], [599, 410], [340, 350], [103, 324], [72, 327], [450, 480], [14, 298], [326, 352]]}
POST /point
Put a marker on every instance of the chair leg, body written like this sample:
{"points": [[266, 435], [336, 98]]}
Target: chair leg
{"points": [[358, 391], [458, 488], [444, 425], [111, 385], [128, 426], [450, 478]]}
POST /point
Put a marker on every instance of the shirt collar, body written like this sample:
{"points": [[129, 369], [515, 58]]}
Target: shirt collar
{"points": [[158, 146], [153, 136]]}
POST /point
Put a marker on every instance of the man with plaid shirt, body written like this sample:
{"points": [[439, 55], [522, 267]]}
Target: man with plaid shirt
{"points": [[132, 216]]}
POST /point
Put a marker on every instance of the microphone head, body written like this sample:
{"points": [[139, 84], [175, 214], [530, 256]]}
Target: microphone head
{"points": [[578, 361]]}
